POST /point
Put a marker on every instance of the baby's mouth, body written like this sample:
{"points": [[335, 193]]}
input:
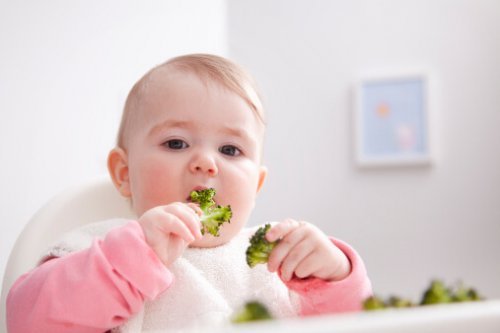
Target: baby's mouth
{"points": [[197, 188]]}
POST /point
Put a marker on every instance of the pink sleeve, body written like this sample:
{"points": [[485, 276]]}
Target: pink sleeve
{"points": [[91, 290], [320, 297]]}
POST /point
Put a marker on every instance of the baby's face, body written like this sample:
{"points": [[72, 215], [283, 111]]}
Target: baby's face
{"points": [[192, 135]]}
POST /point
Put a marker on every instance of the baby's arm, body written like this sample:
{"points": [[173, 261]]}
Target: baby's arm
{"points": [[91, 290], [327, 274]]}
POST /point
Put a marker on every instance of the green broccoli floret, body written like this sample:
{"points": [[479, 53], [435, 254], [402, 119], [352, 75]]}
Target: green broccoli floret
{"points": [[463, 294], [373, 303], [260, 248], [252, 311], [436, 293], [213, 215], [377, 303], [398, 302], [472, 295]]}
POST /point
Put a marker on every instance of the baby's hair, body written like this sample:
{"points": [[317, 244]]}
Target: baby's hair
{"points": [[209, 68]]}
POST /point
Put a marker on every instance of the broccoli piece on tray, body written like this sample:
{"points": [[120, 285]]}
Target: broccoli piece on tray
{"points": [[373, 303], [436, 293], [398, 302], [463, 294], [213, 215], [252, 311], [260, 248]]}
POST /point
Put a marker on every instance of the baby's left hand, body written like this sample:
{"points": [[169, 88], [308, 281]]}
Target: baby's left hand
{"points": [[305, 251]]}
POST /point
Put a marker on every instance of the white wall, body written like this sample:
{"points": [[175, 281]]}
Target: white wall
{"points": [[410, 225], [65, 70]]}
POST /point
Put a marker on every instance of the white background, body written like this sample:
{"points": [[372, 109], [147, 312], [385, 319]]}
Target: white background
{"points": [[66, 67], [412, 224]]}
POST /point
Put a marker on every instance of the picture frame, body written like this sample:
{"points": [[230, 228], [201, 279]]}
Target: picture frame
{"points": [[392, 125]]}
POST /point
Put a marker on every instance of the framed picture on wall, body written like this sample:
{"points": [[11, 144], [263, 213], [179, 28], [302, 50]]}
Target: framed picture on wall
{"points": [[392, 121]]}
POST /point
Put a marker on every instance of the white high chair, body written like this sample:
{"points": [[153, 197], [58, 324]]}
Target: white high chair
{"points": [[82, 204], [99, 200]]}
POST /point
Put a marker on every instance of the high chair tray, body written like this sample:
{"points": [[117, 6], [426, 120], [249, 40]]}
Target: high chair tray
{"points": [[483, 317]]}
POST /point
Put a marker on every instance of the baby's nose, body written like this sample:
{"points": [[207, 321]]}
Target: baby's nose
{"points": [[205, 164]]}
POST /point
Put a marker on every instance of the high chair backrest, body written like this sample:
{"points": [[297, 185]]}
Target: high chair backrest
{"points": [[82, 204]]}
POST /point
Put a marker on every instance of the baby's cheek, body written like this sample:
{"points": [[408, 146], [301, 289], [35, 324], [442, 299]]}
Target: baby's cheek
{"points": [[242, 206], [155, 187]]}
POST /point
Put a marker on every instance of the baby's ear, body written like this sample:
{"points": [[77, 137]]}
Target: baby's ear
{"points": [[118, 170], [262, 177]]}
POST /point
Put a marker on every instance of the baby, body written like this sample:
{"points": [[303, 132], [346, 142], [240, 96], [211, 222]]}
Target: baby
{"points": [[192, 123]]}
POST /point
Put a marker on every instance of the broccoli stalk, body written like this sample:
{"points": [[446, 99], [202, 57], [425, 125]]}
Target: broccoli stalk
{"points": [[260, 248], [252, 311], [213, 215]]}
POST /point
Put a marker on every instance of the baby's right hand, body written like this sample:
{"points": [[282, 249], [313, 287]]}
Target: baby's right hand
{"points": [[169, 229]]}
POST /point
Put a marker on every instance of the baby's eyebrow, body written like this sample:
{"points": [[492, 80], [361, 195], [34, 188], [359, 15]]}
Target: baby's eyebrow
{"points": [[169, 124], [240, 133], [234, 131]]}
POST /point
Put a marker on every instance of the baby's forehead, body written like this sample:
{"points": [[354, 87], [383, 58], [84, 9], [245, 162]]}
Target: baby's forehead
{"points": [[155, 86], [165, 83], [168, 76]]}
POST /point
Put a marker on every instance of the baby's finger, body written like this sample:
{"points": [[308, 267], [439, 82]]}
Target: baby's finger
{"points": [[196, 208], [188, 216], [281, 229], [175, 247], [307, 267], [169, 248], [295, 259], [279, 253], [171, 224], [324, 273]]}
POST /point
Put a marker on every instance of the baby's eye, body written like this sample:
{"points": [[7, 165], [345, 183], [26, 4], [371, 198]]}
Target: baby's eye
{"points": [[176, 144], [230, 150]]}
